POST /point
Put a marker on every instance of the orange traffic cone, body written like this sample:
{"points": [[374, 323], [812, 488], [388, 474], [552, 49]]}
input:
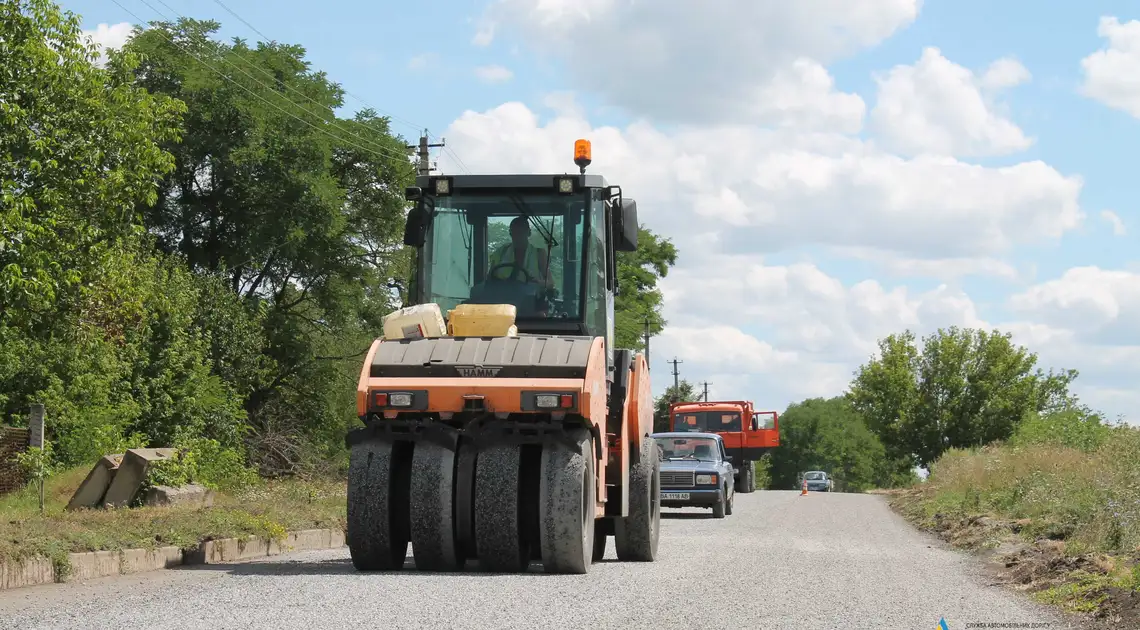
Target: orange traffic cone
{"points": [[804, 491]]}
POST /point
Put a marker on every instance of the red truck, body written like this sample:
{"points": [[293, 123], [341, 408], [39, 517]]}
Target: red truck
{"points": [[747, 433]]}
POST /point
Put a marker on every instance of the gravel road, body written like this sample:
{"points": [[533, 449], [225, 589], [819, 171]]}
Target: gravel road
{"points": [[780, 561]]}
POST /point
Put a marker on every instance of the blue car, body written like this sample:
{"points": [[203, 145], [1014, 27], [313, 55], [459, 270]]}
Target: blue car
{"points": [[696, 472]]}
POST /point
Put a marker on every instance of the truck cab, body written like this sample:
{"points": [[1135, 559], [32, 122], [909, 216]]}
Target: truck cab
{"points": [[748, 434]]}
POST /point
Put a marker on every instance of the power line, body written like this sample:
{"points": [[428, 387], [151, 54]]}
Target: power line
{"points": [[388, 151], [459, 161], [251, 92], [362, 101]]}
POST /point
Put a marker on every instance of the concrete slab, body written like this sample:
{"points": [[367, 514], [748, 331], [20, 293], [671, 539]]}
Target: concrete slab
{"points": [[131, 474], [90, 493], [190, 494]]}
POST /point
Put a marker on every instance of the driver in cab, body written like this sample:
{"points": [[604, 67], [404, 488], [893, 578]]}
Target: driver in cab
{"points": [[520, 253]]}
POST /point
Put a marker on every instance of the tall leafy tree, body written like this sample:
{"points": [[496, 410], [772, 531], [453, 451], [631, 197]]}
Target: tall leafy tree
{"points": [[638, 299], [684, 391], [967, 387], [829, 435], [80, 148], [92, 324], [297, 212]]}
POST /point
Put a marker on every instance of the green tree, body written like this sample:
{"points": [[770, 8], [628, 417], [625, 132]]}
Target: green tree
{"points": [[80, 148], [684, 391], [298, 213], [638, 297], [92, 324], [828, 435], [966, 388]]}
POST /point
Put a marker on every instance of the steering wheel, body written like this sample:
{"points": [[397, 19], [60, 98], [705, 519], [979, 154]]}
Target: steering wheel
{"points": [[513, 265]]}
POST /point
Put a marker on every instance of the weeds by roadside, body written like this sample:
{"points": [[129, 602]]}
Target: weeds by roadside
{"points": [[265, 508], [1059, 504]]}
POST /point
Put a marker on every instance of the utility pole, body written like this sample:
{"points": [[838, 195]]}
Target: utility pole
{"points": [[706, 394], [676, 382], [646, 342], [425, 167]]}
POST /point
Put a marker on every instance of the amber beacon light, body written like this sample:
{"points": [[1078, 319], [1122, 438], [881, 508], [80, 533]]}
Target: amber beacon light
{"points": [[582, 154]]}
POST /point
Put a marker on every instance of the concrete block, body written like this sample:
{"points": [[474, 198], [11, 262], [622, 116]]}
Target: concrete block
{"points": [[190, 494], [142, 560], [307, 539], [131, 474], [26, 572], [90, 493], [93, 564], [226, 550]]}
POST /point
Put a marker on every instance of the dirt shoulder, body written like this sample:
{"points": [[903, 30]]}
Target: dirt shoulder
{"points": [[268, 509], [1098, 590]]}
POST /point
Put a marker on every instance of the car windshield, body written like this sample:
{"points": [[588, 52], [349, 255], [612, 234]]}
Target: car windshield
{"points": [[707, 421], [525, 249], [705, 449], [814, 476]]}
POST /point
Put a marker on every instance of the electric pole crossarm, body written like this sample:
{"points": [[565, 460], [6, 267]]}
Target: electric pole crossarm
{"points": [[676, 373], [424, 155]]}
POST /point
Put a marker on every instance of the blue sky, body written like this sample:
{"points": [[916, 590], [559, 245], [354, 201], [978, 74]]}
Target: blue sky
{"points": [[369, 48]]}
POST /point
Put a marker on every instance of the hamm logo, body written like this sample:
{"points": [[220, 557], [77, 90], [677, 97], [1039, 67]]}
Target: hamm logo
{"points": [[477, 371]]}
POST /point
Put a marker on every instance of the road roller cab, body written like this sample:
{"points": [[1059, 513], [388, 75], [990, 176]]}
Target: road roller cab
{"points": [[513, 431]]}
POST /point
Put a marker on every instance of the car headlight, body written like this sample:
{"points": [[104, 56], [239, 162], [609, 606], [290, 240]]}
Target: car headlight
{"points": [[706, 480]]}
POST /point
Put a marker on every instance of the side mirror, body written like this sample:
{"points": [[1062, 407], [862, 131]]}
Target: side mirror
{"points": [[625, 230], [415, 230]]}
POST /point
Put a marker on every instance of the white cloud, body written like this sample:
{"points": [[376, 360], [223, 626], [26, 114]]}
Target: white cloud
{"points": [[493, 74], [937, 106], [810, 313], [484, 33], [699, 62], [1005, 73], [1094, 304], [113, 36], [943, 269], [419, 62], [1112, 74], [760, 156], [770, 190], [817, 330], [790, 331], [1115, 221]]}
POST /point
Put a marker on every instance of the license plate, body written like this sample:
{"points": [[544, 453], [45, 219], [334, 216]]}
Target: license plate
{"points": [[675, 496]]}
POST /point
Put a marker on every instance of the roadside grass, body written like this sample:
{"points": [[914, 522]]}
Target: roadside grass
{"points": [[265, 508], [1069, 506]]}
